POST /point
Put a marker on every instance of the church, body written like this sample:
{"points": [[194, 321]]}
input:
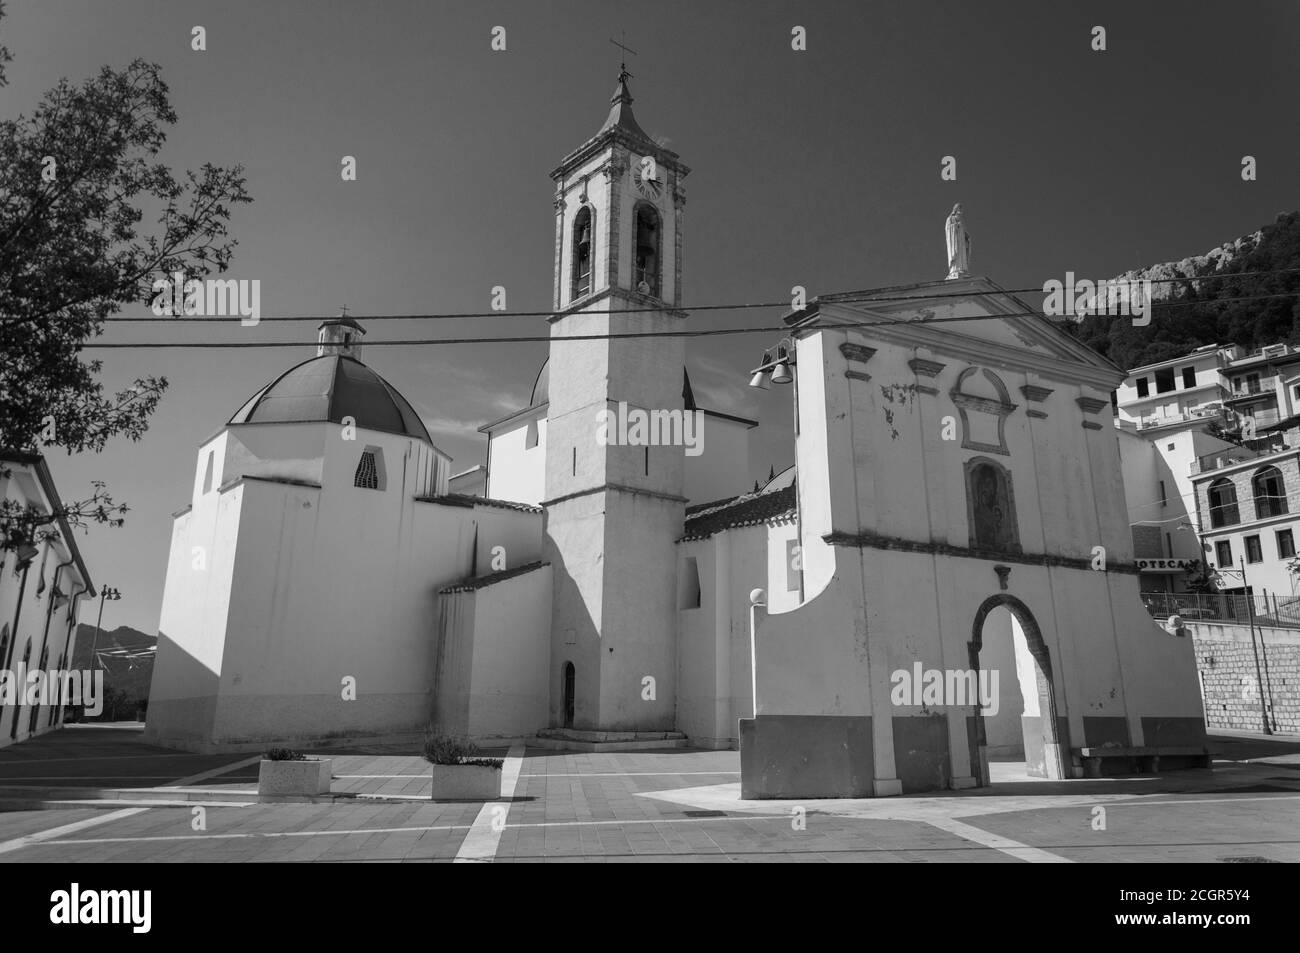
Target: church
{"points": [[956, 474]]}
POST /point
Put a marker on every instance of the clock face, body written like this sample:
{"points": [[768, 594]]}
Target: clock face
{"points": [[648, 177]]}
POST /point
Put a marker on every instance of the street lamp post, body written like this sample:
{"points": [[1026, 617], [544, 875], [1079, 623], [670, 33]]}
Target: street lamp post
{"points": [[1260, 678]]}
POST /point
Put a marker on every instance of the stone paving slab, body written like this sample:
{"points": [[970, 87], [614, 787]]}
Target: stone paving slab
{"points": [[655, 806]]}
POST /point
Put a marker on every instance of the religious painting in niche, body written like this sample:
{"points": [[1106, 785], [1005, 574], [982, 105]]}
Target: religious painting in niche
{"points": [[984, 404], [991, 507]]}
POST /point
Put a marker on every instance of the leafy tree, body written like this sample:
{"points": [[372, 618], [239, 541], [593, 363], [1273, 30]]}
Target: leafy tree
{"points": [[75, 179], [1197, 577]]}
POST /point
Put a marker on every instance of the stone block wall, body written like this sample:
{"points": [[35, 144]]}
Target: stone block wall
{"points": [[1231, 682]]}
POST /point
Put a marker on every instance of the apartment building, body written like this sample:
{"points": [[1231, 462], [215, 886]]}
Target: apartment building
{"points": [[1248, 505], [1188, 389]]}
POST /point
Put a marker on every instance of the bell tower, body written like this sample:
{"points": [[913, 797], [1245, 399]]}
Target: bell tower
{"points": [[614, 504]]}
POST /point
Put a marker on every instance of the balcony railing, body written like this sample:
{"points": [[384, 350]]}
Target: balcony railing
{"points": [[1265, 385], [1207, 411], [1263, 447], [1263, 608], [1225, 514], [1268, 505]]}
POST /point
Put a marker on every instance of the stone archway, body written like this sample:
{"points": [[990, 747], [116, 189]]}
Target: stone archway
{"points": [[1044, 734]]}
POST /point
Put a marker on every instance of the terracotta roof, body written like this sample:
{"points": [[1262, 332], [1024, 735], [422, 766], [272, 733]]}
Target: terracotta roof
{"points": [[704, 520], [478, 582], [464, 499]]}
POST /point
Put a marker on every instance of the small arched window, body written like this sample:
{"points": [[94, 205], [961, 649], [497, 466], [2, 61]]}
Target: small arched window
{"points": [[646, 276], [1269, 490], [1223, 503], [207, 474], [583, 230]]}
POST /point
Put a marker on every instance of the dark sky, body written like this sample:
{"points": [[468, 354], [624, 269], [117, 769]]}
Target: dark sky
{"points": [[817, 168]]}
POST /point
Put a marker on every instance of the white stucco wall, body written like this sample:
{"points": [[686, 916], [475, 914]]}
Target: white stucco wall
{"points": [[517, 472], [873, 465], [306, 587]]}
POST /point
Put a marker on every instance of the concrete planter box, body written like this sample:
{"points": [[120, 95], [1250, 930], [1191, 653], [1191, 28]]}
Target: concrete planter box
{"points": [[311, 777], [465, 782]]}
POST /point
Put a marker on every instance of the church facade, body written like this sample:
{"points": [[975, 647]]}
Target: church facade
{"points": [[617, 587]]}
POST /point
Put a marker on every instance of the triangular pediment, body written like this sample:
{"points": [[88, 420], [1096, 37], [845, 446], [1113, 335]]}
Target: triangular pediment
{"points": [[972, 318]]}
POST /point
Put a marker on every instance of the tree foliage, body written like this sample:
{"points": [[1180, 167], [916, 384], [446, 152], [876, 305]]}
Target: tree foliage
{"points": [[76, 179], [1214, 312]]}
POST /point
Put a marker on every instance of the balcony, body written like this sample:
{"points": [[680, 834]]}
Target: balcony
{"points": [[1204, 412], [1231, 455], [1263, 387]]}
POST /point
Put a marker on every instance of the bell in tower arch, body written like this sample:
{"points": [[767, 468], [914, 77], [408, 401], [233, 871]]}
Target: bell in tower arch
{"points": [[647, 251]]}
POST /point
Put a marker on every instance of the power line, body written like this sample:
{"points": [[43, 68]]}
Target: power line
{"points": [[853, 296], [533, 338]]}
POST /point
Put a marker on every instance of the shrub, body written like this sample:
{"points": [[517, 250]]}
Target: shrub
{"points": [[284, 754], [448, 749]]}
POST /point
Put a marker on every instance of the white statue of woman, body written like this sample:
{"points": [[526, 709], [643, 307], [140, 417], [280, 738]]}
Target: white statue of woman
{"points": [[958, 245]]}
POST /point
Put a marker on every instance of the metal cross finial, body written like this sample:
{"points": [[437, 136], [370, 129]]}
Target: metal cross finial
{"points": [[345, 312], [622, 35]]}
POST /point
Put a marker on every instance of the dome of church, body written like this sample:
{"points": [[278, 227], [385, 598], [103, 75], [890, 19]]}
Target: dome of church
{"points": [[329, 388]]}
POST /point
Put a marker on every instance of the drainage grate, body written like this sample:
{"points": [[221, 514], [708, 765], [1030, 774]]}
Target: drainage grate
{"points": [[705, 813], [1248, 860]]}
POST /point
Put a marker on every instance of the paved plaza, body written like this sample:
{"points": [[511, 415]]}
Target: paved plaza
{"points": [[98, 793]]}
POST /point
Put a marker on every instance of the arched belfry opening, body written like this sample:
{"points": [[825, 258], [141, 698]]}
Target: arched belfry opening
{"points": [[583, 232], [648, 243], [1017, 731]]}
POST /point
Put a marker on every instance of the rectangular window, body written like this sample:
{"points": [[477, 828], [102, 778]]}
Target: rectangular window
{"points": [[1165, 380], [1223, 553], [1252, 383], [1254, 553], [1142, 387], [1189, 377], [1169, 545], [1171, 446], [1163, 499], [1285, 544]]}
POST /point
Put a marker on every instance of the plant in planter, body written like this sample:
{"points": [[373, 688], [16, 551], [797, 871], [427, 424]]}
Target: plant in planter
{"points": [[458, 774], [285, 772]]}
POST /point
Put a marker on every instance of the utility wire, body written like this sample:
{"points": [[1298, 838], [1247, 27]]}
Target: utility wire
{"points": [[854, 296], [535, 338]]}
